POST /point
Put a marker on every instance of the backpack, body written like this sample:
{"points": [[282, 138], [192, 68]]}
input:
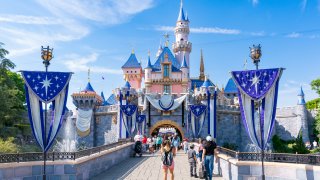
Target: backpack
{"points": [[167, 158]]}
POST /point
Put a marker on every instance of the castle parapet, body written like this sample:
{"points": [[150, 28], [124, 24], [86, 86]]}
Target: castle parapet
{"points": [[182, 46]]}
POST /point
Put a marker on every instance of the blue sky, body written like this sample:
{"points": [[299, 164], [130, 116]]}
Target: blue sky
{"points": [[101, 34]]}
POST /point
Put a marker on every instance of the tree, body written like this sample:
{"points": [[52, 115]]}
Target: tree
{"points": [[12, 95], [315, 85], [299, 146]]}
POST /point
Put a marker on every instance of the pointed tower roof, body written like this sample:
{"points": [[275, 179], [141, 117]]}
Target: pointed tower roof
{"points": [[301, 93], [132, 62], [206, 83], [201, 76], [102, 95], [127, 85], [184, 63], [149, 65], [231, 87], [181, 16], [301, 100], [88, 88]]}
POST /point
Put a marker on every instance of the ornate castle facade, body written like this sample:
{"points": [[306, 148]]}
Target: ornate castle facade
{"points": [[170, 98]]}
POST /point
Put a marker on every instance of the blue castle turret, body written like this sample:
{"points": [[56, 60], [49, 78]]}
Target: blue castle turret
{"points": [[301, 111]]}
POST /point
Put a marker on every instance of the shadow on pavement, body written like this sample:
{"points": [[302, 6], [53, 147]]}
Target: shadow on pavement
{"points": [[123, 169]]}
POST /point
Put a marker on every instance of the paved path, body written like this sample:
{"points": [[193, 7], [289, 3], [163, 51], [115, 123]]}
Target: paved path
{"points": [[147, 167]]}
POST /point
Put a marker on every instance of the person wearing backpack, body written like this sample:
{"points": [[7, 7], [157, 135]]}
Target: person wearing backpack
{"points": [[209, 151], [192, 158], [167, 154]]}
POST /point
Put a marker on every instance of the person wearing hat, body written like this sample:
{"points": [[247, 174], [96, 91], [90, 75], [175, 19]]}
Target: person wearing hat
{"points": [[209, 151], [192, 158]]}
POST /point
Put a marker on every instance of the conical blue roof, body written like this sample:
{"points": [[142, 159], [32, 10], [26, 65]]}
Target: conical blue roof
{"points": [[127, 85], [231, 87], [181, 16], [206, 83], [149, 63], [89, 88], [102, 95], [184, 63], [132, 62], [301, 93]]}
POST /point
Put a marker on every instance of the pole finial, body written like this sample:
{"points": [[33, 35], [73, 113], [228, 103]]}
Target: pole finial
{"points": [[89, 75]]}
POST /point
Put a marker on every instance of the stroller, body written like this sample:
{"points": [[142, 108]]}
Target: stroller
{"points": [[138, 148]]}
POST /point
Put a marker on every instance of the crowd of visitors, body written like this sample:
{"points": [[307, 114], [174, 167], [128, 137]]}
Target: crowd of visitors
{"points": [[201, 154]]}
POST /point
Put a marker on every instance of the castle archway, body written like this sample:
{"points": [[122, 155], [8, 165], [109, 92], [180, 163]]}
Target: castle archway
{"points": [[166, 124]]}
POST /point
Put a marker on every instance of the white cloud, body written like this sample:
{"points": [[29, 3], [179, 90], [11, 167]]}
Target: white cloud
{"points": [[23, 19], [293, 35], [210, 30], [77, 63], [261, 33], [108, 12]]}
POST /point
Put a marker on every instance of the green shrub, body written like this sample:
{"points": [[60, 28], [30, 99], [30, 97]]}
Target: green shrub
{"points": [[8, 146], [313, 104], [299, 146], [281, 146], [25, 129]]}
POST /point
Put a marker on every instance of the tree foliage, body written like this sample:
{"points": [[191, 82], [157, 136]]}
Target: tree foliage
{"points": [[299, 146], [12, 95], [315, 85], [313, 104]]}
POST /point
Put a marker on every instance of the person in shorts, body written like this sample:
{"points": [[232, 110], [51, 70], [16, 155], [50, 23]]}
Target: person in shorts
{"points": [[167, 153]]}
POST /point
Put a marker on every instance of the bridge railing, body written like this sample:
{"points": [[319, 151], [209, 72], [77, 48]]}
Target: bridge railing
{"points": [[52, 156], [272, 157]]}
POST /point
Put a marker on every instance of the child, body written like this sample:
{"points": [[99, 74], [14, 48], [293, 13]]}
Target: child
{"points": [[192, 161]]}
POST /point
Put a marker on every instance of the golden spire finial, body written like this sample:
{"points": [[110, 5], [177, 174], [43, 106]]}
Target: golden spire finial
{"points": [[149, 52], [201, 76], [89, 75], [132, 51], [166, 37]]}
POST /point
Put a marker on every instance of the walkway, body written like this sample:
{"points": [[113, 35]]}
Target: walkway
{"points": [[147, 167]]}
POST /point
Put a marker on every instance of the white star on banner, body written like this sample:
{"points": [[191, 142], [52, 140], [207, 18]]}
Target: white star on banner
{"points": [[46, 84]]}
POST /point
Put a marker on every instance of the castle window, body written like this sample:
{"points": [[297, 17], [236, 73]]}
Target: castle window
{"points": [[166, 88], [166, 70], [135, 71], [181, 39]]}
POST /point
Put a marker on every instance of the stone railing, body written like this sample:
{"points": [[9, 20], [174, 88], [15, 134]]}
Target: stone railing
{"points": [[272, 157], [52, 156]]}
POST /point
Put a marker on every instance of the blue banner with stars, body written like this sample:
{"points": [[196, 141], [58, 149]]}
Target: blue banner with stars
{"points": [[46, 85]]}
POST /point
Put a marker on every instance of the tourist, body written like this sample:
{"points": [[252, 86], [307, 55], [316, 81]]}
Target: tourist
{"points": [[200, 149], [144, 143], [315, 144], [158, 142], [192, 158], [185, 145], [150, 143], [176, 142], [167, 154], [209, 151]]}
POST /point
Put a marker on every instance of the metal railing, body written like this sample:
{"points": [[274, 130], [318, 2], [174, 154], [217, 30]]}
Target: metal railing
{"points": [[272, 157], [53, 156]]}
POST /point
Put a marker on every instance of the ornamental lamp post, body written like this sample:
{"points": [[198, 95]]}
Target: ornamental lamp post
{"points": [[255, 54], [46, 55]]}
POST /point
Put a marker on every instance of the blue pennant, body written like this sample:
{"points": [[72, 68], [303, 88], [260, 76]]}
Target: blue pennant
{"points": [[46, 85], [128, 110], [140, 118], [256, 83], [198, 110]]}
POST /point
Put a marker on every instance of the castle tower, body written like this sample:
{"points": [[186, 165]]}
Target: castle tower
{"points": [[201, 76], [132, 71], [85, 101], [185, 74], [182, 47], [147, 73], [301, 111]]}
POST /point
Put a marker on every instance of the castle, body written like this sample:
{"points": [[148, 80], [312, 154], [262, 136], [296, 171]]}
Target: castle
{"points": [[167, 99]]}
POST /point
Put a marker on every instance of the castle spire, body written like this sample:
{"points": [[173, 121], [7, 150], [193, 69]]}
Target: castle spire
{"points": [[301, 100], [149, 61], [89, 75], [181, 16], [201, 76]]}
